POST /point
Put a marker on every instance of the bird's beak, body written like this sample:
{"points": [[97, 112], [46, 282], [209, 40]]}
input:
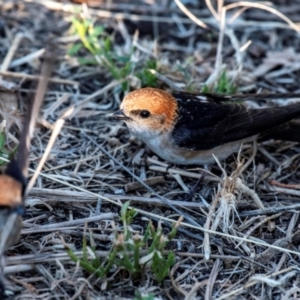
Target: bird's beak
{"points": [[119, 115]]}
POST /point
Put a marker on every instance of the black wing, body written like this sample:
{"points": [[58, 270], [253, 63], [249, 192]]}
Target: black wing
{"points": [[218, 98], [206, 125]]}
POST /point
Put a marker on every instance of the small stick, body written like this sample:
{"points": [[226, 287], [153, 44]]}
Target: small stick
{"points": [[14, 46], [185, 173], [206, 241], [56, 130], [195, 19], [132, 186], [212, 278], [273, 188], [107, 216], [34, 77], [285, 185], [270, 210], [27, 58]]}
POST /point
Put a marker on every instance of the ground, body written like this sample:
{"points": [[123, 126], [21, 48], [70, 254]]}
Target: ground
{"points": [[226, 247]]}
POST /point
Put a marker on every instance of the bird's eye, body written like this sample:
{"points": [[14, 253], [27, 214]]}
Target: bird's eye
{"points": [[144, 114]]}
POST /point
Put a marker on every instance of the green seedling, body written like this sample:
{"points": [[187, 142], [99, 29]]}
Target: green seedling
{"points": [[4, 153], [88, 34], [186, 68], [147, 78], [92, 265], [100, 46], [139, 296], [100, 50], [223, 86], [132, 252]]}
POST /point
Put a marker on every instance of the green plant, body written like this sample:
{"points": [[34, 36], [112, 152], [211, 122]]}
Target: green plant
{"points": [[94, 39], [147, 78], [88, 34], [139, 296], [4, 153], [185, 68], [133, 253], [223, 86]]}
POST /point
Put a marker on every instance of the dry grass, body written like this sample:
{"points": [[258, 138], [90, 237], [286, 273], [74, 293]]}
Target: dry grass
{"points": [[240, 234]]}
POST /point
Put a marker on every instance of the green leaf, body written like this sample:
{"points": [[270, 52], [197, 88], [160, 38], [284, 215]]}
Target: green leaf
{"points": [[127, 215], [74, 49], [86, 265], [2, 140], [87, 61], [205, 89], [123, 59], [151, 64], [161, 265], [107, 44], [84, 249], [224, 85], [147, 78], [97, 30], [124, 210], [138, 296], [147, 233]]}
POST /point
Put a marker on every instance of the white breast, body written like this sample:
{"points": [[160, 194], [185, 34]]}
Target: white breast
{"points": [[162, 146]]}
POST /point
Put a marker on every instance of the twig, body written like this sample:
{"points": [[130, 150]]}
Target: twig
{"points": [[212, 10], [250, 283], [190, 15], [36, 78], [26, 58], [285, 185], [107, 216], [186, 173], [193, 292], [273, 188], [212, 278], [251, 159], [165, 80], [67, 196], [257, 225], [12, 49], [264, 7], [56, 130], [132, 186], [206, 242], [270, 210], [246, 190], [218, 63], [105, 89]]}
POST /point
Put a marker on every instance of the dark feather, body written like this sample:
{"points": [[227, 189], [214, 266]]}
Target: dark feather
{"points": [[218, 98], [289, 131], [206, 125]]}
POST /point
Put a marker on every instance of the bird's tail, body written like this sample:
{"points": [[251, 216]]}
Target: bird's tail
{"points": [[289, 131]]}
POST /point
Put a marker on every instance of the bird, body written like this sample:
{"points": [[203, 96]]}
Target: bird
{"points": [[185, 128], [14, 180], [13, 185]]}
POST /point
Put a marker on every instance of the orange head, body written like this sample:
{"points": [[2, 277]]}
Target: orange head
{"points": [[11, 192], [148, 112]]}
